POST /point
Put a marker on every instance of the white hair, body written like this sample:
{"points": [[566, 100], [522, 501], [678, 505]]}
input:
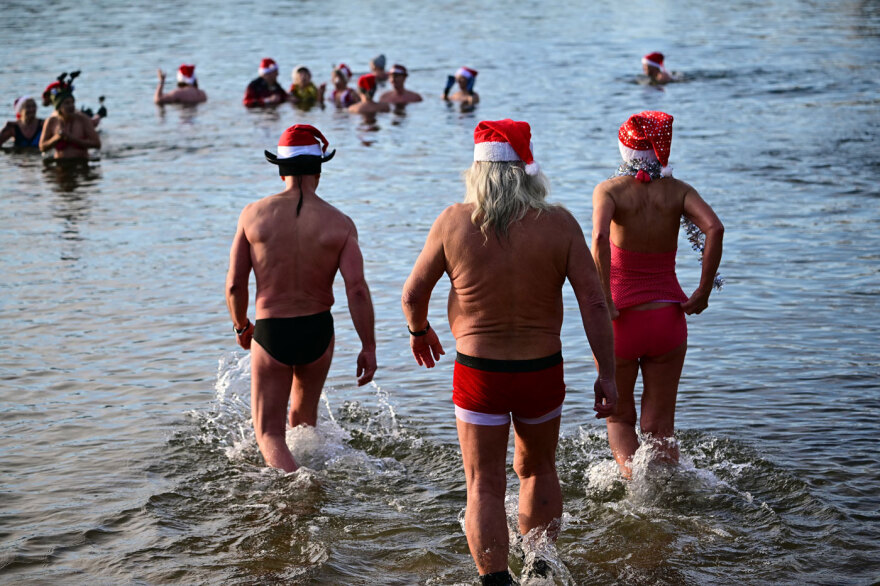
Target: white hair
{"points": [[502, 193]]}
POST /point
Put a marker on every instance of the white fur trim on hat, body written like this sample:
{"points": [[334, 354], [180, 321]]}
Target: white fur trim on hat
{"points": [[287, 152], [653, 64], [181, 78], [629, 154], [270, 69], [18, 104], [495, 151]]}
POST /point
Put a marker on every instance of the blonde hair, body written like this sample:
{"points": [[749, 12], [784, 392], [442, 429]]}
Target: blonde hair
{"points": [[502, 193]]}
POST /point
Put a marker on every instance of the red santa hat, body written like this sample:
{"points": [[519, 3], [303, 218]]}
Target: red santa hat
{"points": [[301, 150], [18, 104], [397, 69], [466, 72], [505, 140], [186, 74], [654, 60], [647, 136], [267, 66], [344, 70], [367, 82]]}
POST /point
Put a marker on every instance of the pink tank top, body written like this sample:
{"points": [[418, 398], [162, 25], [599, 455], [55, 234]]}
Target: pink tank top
{"points": [[643, 277]]}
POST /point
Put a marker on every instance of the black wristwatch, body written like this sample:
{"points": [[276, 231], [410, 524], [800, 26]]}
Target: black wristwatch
{"points": [[420, 332], [239, 332]]}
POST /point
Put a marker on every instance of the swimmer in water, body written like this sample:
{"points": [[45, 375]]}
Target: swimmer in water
{"points": [[399, 94], [341, 95], [377, 68], [303, 93], [292, 340], [652, 66], [26, 129], [187, 91], [69, 132], [57, 85], [264, 90], [636, 219], [465, 77], [367, 89], [508, 253]]}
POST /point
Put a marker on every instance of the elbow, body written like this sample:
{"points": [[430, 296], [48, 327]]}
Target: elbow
{"points": [[234, 287], [715, 229], [410, 298], [358, 292], [601, 238]]}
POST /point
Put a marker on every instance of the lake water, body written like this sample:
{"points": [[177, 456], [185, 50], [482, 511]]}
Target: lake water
{"points": [[126, 449]]}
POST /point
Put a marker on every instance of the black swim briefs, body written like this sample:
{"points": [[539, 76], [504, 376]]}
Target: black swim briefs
{"points": [[295, 340]]}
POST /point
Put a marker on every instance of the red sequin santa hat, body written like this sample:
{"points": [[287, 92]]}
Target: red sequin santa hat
{"points": [[647, 136], [654, 60], [301, 150], [186, 74], [267, 66], [367, 83], [505, 140]]}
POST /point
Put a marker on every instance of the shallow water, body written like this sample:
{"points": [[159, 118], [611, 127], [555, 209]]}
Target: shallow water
{"points": [[126, 448]]}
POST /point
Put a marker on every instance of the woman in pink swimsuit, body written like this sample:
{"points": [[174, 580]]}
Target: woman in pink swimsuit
{"points": [[636, 220]]}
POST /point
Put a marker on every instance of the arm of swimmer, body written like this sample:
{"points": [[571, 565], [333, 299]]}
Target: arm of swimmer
{"points": [[7, 132], [603, 212], [237, 283], [584, 281], [91, 140], [158, 97], [702, 214], [429, 267], [50, 134], [360, 305]]}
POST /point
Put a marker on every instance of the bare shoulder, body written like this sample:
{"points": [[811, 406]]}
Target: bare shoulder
{"points": [[562, 221]]}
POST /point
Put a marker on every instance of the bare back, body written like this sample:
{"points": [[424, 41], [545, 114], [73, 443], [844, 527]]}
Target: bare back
{"points": [[506, 296], [294, 259], [646, 215]]}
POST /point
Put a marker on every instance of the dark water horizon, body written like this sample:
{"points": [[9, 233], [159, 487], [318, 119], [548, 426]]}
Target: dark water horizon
{"points": [[127, 453]]}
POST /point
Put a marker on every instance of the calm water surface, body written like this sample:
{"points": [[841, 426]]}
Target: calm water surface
{"points": [[126, 449]]}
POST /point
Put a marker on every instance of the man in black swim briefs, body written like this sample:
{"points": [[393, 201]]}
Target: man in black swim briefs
{"points": [[293, 334]]}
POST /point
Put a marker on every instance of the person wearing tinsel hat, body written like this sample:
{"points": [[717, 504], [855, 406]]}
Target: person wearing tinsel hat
{"points": [[187, 91], [652, 66], [508, 252], [26, 129], [68, 132], [636, 218], [366, 90], [295, 243]]}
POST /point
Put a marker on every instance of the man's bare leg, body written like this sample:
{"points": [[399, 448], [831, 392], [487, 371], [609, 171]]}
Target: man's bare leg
{"points": [[534, 460], [305, 392], [484, 455], [270, 389], [621, 426], [660, 377]]}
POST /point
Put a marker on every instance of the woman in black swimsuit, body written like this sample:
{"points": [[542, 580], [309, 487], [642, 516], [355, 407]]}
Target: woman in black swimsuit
{"points": [[26, 128]]}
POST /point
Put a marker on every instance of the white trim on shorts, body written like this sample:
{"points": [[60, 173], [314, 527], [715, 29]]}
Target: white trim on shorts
{"points": [[478, 418]]}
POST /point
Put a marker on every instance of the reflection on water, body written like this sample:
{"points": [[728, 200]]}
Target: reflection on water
{"points": [[106, 476]]}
